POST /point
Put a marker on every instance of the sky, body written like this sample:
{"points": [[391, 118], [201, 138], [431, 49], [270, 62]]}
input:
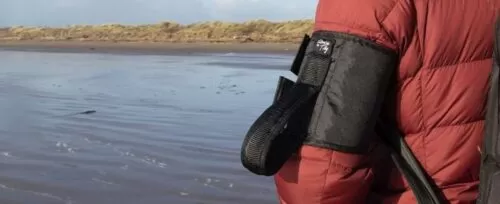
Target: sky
{"points": [[70, 12]]}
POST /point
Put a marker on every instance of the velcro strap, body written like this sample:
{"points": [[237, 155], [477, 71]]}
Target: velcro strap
{"points": [[269, 127], [275, 135]]}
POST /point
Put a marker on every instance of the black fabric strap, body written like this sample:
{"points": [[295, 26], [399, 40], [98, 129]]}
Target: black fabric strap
{"points": [[280, 130], [489, 187], [273, 137], [419, 181]]}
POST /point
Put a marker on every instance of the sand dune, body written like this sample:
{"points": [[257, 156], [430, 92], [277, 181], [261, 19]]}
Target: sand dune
{"points": [[257, 31]]}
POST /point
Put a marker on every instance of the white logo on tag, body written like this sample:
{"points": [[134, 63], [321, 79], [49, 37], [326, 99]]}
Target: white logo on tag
{"points": [[323, 46]]}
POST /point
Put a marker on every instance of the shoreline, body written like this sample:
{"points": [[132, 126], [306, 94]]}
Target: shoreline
{"points": [[147, 48]]}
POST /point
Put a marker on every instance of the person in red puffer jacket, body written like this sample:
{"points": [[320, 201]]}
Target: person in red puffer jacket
{"points": [[444, 50]]}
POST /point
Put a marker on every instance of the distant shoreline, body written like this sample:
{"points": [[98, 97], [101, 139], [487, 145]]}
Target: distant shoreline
{"points": [[147, 48], [256, 36], [217, 32]]}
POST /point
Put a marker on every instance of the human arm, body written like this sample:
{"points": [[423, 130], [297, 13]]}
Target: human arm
{"points": [[335, 163]]}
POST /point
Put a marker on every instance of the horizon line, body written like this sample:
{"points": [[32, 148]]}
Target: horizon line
{"points": [[160, 22]]}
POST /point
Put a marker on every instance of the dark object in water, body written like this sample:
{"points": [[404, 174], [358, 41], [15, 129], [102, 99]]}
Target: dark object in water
{"points": [[87, 112]]}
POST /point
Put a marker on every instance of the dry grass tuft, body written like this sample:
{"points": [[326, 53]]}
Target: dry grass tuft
{"points": [[216, 32]]}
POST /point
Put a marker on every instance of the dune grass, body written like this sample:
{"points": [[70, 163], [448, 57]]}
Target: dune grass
{"points": [[261, 31]]}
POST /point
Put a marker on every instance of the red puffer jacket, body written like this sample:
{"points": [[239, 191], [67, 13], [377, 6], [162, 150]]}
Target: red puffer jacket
{"points": [[445, 49]]}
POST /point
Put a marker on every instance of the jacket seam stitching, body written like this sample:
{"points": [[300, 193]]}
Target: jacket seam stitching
{"points": [[372, 34], [390, 12], [459, 63], [359, 27], [421, 97], [422, 115], [440, 67], [448, 126], [323, 189], [382, 22]]}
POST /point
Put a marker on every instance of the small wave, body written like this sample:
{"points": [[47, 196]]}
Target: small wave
{"points": [[103, 181], [184, 109], [153, 161], [41, 194], [146, 159], [246, 65], [62, 146], [124, 167], [6, 154], [214, 183], [123, 153], [98, 142]]}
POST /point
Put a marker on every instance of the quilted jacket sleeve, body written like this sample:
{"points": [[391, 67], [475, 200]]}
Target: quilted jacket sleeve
{"points": [[321, 175]]}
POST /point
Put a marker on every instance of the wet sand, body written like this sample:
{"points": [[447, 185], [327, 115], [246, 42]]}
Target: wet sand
{"points": [[147, 48], [167, 129]]}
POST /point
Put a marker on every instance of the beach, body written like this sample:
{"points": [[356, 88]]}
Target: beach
{"points": [[165, 127], [165, 109]]}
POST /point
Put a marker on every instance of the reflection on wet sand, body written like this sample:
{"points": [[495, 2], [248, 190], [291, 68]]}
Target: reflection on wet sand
{"points": [[93, 128]]}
